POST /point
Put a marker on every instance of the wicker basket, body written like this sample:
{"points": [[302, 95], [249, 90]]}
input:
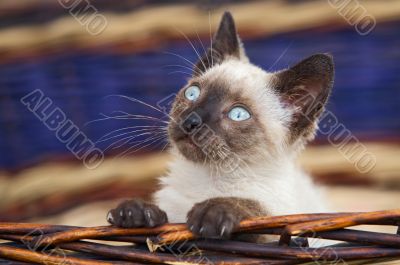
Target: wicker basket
{"points": [[174, 244]]}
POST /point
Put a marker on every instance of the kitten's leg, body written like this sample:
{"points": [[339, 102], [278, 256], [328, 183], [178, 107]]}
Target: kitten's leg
{"points": [[137, 213], [219, 217]]}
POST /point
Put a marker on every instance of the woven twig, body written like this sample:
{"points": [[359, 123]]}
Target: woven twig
{"points": [[54, 244]]}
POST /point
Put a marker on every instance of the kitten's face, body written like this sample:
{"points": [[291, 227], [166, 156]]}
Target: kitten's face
{"points": [[233, 109]]}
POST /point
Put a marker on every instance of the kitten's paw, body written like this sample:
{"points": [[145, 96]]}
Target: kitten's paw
{"points": [[212, 219], [136, 213]]}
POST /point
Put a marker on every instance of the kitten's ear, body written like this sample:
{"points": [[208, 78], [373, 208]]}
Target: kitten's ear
{"points": [[225, 43], [305, 88]]}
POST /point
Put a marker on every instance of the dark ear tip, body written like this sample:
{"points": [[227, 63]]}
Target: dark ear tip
{"points": [[227, 15], [227, 27], [323, 57], [227, 19], [323, 60]]}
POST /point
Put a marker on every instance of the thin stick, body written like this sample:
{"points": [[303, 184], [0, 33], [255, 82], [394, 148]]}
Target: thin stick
{"points": [[25, 255], [284, 220], [248, 225], [27, 228], [305, 254], [138, 255], [346, 235], [41, 229], [129, 253], [30, 240], [333, 223], [103, 231], [356, 236]]}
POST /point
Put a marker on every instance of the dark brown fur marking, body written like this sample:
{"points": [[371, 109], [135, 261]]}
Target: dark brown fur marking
{"points": [[306, 85], [219, 217], [137, 213], [214, 103], [225, 43]]}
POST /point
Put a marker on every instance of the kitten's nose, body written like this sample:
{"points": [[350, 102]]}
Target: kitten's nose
{"points": [[192, 122]]}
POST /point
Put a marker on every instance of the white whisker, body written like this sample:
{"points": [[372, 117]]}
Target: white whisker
{"points": [[122, 117], [183, 66], [127, 140], [183, 58], [211, 39], [141, 116], [180, 72], [102, 139], [152, 142], [162, 150], [152, 139], [136, 100], [191, 44], [204, 49], [280, 57], [132, 127]]}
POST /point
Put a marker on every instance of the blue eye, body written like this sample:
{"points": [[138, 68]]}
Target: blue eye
{"points": [[192, 93], [239, 114]]}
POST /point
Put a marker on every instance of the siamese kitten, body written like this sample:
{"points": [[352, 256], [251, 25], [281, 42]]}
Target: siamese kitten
{"points": [[235, 133]]}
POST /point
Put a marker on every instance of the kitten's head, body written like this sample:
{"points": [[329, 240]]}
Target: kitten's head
{"points": [[232, 108]]}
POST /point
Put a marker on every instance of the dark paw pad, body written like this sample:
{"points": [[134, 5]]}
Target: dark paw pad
{"points": [[213, 220], [136, 213]]}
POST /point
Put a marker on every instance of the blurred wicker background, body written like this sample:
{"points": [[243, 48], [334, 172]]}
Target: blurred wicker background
{"points": [[43, 47]]}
